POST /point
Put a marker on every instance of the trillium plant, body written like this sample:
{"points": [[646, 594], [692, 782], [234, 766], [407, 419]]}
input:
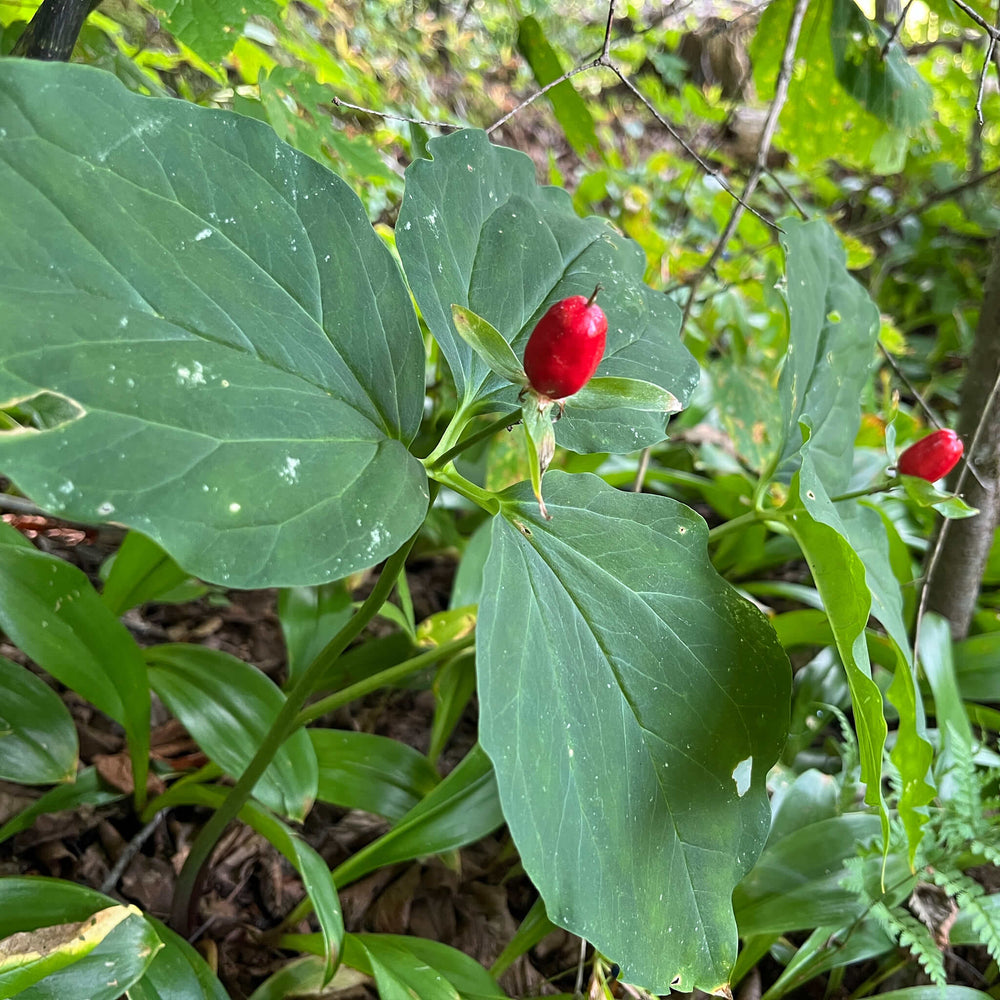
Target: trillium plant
{"points": [[205, 341]]}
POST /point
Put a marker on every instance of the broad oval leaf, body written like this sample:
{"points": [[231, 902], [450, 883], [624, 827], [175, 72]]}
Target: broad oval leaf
{"points": [[228, 706], [477, 231], [37, 738], [632, 703], [227, 353]]}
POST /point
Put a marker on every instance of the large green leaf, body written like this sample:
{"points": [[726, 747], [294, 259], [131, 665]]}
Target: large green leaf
{"points": [[177, 971], [211, 342], [37, 738], [840, 578], [475, 230], [228, 706], [819, 111], [50, 610], [570, 108], [632, 703], [886, 84], [212, 27], [833, 326], [100, 959]]}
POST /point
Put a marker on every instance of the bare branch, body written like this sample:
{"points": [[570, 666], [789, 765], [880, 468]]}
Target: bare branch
{"points": [[944, 195], [388, 114], [895, 29], [982, 78], [763, 148], [593, 64], [994, 33], [605, 61]]}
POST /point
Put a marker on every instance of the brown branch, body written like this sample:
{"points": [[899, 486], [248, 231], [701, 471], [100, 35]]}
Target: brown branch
{"points": [[930, 200], [896, 28], [955, 568], [605, 61], [53, 30], [763, 148]]}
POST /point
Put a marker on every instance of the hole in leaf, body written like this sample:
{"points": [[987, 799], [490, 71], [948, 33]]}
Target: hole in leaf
{"points": [[42, 411], [833, 316], [741, 775]]}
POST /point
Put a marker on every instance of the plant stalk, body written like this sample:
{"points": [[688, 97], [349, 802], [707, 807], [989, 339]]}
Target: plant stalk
{"points": [[382, 679], [488, 431], [283, 726]]}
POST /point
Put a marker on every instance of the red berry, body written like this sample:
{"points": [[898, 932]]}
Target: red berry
{"points": [[932, 457], [566, 346]]}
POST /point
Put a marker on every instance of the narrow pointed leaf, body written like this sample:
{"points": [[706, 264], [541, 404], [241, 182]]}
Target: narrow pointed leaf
{"points": [[632, 704], [228, 706], [609, 393], [50, 610], [487, 342], [38, 743], [311, 867]]}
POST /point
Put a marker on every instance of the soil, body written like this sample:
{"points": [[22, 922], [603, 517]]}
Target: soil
{"points": [[473, 900]]}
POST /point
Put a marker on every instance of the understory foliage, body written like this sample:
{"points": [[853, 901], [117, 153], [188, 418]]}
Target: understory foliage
{"points": [[267, 274]]}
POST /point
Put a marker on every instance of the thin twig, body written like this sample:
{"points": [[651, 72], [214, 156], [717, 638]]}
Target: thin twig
{"points": [[982, 22], [933, 199], [593, 64], [910, 387], [131, 849], [939, 542], [711, 171], [763, 148], [578, 986], [895, 30], [388, 114], [640, 475], [604, 61], [982, 78], [784, 189]]}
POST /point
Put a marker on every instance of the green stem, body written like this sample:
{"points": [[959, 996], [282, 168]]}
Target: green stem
{"points": [[451, 434], [382, 679], [283, 726], [449, 476], [751, 517], [488, 431], [868, 491]]}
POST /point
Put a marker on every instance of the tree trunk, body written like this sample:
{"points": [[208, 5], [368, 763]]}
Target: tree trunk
{"points": [[53, 30], [953, 586]]}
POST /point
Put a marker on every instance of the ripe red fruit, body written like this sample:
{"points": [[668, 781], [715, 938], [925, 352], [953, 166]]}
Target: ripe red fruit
{"points": [[566, 346], [932, 457]]}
